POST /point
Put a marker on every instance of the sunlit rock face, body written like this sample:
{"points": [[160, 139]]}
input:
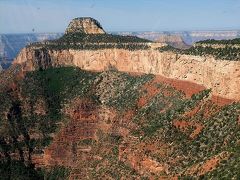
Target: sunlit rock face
{"points": [[92, 110], [85, 25], [220, 75]]}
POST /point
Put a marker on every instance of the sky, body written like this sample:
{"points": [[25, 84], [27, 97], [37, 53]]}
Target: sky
{"points": [[26, 16]]}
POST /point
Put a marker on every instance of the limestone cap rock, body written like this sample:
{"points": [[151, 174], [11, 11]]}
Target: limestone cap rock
{"points": [[85, 25]]}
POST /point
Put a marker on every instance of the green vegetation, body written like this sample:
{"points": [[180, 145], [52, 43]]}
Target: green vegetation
{"points": [[178, 105], [17, 170], [127, 91], [131, 47], [45, 91], [95, 41], [225, 42], [221, 134], [227, 53], [31, 113], [109, 166], [55, 173], [99, 38]]}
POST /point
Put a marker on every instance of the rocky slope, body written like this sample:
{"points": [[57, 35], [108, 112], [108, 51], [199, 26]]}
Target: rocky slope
{"points": [[67, 111], [69, 123]]}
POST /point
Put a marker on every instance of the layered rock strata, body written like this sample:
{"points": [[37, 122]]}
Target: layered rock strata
{"points": [[222, 76]]}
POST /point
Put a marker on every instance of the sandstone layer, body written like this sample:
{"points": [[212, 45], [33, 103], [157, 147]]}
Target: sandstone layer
{"points": [[222, 76]]}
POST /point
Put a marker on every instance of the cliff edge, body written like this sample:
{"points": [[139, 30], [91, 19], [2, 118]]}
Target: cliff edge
{"points": [[98, 52], [77, 116]]}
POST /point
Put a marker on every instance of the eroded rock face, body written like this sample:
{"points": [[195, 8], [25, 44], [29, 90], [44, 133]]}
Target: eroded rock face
{"points": [[85, 25], [173, 40], [221, 76], [95, 136], [66, 148]]}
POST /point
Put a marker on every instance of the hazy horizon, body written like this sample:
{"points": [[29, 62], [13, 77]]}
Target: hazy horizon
{"points": [[233, 30], [50, 16]]}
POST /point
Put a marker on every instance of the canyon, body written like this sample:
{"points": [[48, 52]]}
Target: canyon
{"points": [[11, 44], [189, 37], [173, 40], [90, 105], [222, 76]]}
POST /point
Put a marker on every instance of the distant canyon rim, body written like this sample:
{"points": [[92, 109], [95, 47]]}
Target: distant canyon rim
{"points": [[222, 76]]}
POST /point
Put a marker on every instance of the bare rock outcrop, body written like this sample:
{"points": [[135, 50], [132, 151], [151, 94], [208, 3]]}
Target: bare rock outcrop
{"points": [[85, 25], [173, 40], [221, 76]]}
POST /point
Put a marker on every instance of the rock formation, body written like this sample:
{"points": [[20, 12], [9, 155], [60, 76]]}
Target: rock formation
{"points": [[221, 76], [11, 44], [155, 120], [85, 25], [173, 40], [189, 37]]}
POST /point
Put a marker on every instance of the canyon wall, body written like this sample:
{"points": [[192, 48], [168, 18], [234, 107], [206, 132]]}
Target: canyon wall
{"points": [[11, 44], [173, 40], [189, 37], [222, 76]]}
